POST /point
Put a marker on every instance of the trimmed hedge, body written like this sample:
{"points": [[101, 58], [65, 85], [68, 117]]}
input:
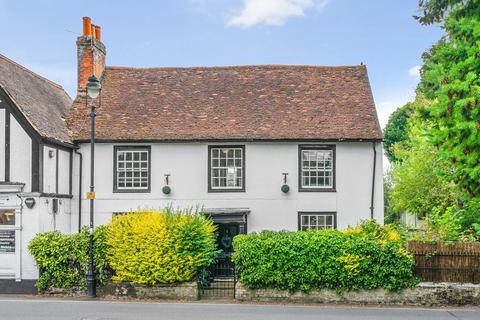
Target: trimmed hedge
{"points": [[63, 259], [353, 259], [151, 247]]}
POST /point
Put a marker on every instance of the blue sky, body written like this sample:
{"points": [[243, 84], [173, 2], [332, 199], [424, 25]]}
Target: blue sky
{"points": [[380, 33]]}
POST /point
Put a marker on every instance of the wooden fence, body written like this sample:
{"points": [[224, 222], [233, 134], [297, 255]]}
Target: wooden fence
{"points": [[440, 262]]}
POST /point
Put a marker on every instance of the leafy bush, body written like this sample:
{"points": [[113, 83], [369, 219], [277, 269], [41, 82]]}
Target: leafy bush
{"points": [[63, 259], [342, 260], [152, 247]]}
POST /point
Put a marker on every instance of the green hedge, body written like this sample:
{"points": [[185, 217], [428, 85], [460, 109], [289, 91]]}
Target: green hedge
{"points": [[342, 260], [63, 258], [153, 247]]}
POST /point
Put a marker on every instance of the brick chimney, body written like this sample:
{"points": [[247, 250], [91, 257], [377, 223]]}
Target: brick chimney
{"points": [[90, 53]]}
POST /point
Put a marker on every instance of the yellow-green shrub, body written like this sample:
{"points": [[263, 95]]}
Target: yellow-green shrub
{"points": [[153, 247]]}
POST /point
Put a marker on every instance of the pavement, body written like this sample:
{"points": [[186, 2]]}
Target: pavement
{"points": [[26, 308]]}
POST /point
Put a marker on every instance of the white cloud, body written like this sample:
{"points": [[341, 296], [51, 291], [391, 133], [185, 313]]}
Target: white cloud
{"points": [[272, 12], [414, 71]]}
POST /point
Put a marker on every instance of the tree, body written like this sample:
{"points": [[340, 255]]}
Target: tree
{"points": [[435, 11], [418, 185], [396, 130], [392, 214], [451, 79]]}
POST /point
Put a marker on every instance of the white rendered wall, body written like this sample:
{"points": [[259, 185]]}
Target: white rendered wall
{"points": [[265, 162], [20, 155], [63, 172], [2, 144], [49, 169]]}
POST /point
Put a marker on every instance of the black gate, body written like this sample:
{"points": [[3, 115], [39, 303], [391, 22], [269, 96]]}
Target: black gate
{"points": [[220, 280], [220, 287]]}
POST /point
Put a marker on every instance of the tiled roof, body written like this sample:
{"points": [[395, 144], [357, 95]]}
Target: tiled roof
{"points": [[270, 102], [44, 103]]}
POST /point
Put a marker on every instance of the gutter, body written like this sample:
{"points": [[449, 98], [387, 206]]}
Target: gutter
{"points": [[373, 180], [80, 190]]}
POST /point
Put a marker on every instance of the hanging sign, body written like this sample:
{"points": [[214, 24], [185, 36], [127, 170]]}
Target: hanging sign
{"points": [[30, 202]]}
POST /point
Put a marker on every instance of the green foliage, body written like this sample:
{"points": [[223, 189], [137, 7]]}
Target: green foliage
{"points": [[391, 214], [396, 130], [63, 259], [440, 226], [353, 259], [451, 79], [419, 184], [153, 247], [469, 214], [434, 11]]}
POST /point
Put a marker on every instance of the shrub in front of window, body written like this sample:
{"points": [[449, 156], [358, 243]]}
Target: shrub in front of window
{"points": [[152, 247], [63, 259], [340, 260]]}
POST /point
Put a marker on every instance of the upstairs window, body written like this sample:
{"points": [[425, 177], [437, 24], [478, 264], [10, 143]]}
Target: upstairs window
{"points": [[226, 168], [316, 221], [132, 169], [316, 168]]}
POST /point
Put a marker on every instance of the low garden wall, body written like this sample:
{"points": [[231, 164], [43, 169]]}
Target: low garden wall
{"points": [[176, 291], [424, 294]]}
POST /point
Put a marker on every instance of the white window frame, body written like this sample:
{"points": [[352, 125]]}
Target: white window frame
{"points": [[325, 171], [317, 221], [234, 167], [141, 166]]}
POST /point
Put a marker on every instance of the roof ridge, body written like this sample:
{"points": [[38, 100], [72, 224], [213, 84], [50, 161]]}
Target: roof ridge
{"points": [[272, 66], [32, 73]]}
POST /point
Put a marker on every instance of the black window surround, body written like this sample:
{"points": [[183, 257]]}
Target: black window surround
{"points": [[132, 148], [225, 189], [334, 158], [317, 213]]}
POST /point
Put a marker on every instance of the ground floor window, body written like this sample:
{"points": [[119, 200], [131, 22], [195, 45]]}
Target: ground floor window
{"points": [[316, 221], [7, 234]]}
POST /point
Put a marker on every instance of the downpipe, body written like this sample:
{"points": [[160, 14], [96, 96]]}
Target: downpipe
{"points": [[80, 171], [373, 180]]}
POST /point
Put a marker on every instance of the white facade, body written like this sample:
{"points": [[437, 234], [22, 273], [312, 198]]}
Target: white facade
{"points": [[187, 164], [19, 264], [270, 208]]}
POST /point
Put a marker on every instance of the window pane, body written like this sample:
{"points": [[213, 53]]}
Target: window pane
{"points": [[329, 221], [316, 165], [132, 169], [227, 166], [317, 221], [7, 217]]}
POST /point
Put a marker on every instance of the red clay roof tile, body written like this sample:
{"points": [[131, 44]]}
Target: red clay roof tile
{"points": [[267, 102]]}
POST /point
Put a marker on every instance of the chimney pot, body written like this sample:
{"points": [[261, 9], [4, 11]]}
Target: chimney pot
{"points": [[97, 32], [87, 26]]}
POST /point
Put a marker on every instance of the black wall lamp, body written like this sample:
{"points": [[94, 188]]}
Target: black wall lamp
{"points": [[166, 189], [285, 188]]}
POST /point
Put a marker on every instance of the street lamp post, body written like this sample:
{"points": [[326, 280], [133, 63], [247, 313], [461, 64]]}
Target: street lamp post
{"points": [[93, 91]]}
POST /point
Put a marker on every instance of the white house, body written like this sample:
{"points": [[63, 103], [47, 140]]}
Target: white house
{"points": [[226, 139]]}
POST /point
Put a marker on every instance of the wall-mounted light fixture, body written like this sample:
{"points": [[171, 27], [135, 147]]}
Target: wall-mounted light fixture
{"points": [[166, 189], [285, 188], [51, 154]]}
